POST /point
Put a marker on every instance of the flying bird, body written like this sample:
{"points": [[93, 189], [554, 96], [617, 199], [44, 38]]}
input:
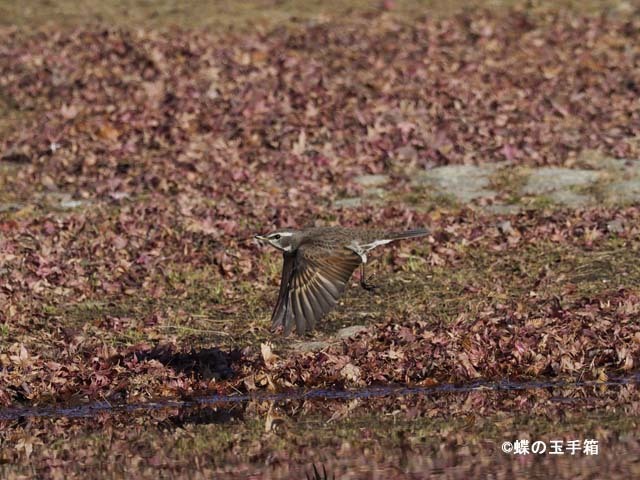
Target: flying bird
{"points": [[317, 265]]}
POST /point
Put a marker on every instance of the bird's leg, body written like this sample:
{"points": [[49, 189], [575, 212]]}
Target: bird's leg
{"points": [[363, 280]]}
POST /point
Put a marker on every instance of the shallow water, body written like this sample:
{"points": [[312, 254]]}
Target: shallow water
{"points": [[447, 431], [99, 407]]}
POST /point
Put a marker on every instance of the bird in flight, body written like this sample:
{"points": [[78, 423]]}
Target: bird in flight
{"points": [[317, 265]]}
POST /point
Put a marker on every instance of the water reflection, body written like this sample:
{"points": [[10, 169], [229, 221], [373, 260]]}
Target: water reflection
{"points": [[447, 431], [393, 391]]}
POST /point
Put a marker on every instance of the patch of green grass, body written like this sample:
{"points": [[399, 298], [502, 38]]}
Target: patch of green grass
{"points": [[606, 269], [90, 311], [10, 113], [200, 312], [183, 278], [484, 278], [539, 202]]}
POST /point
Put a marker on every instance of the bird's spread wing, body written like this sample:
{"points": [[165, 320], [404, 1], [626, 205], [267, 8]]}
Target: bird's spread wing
{"points": [[283, 305], [312, 282]]}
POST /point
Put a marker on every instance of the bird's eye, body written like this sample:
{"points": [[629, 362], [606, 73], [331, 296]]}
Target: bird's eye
{"points": [[277, 236]]}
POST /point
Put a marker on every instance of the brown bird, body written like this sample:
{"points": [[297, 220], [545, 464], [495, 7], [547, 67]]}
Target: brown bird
{"points": [[317, 264]]}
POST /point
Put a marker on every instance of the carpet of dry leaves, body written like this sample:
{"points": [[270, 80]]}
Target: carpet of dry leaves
{"points": [[172, 149]]}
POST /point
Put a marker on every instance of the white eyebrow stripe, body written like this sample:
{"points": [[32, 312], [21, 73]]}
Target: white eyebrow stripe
{"points": [[282, 234]]}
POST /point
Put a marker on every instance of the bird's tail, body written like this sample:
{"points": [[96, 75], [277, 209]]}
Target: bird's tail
{"points": [[420, 232]]}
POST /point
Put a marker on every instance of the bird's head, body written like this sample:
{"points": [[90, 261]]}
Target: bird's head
{"points": [[283, 240]]}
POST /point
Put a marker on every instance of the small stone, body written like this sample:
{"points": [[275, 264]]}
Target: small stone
{"points": [[372, 180], [505, 227], [617, 165], [351, 331], [464, 182], [623, 8], [71, 204], [549, 179], [375, 192], [615, 226], [354, 202], [311, 346], [119, 195], [597, 160], [10, 207], [570, 199], [502, 209], [626, 191]]}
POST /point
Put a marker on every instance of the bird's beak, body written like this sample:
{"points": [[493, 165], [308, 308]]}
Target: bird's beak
{"points": [[260, 238]]}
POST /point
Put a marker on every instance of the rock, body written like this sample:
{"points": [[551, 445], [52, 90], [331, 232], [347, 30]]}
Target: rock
{"points": [[550, 179], [310, 346], [615, 226], [354, 202], [570, 198], [71, 204], [505, 227], [614, 164], [623, 8], [372, 180], [375, 192], [10, 207], [62, 201], [597, 160], [502, 209], [351, 331], [463, 182], [624, 191]]}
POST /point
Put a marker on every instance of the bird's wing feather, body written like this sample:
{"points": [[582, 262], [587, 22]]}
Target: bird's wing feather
{"points": [[311, 285], [283, 305]]}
